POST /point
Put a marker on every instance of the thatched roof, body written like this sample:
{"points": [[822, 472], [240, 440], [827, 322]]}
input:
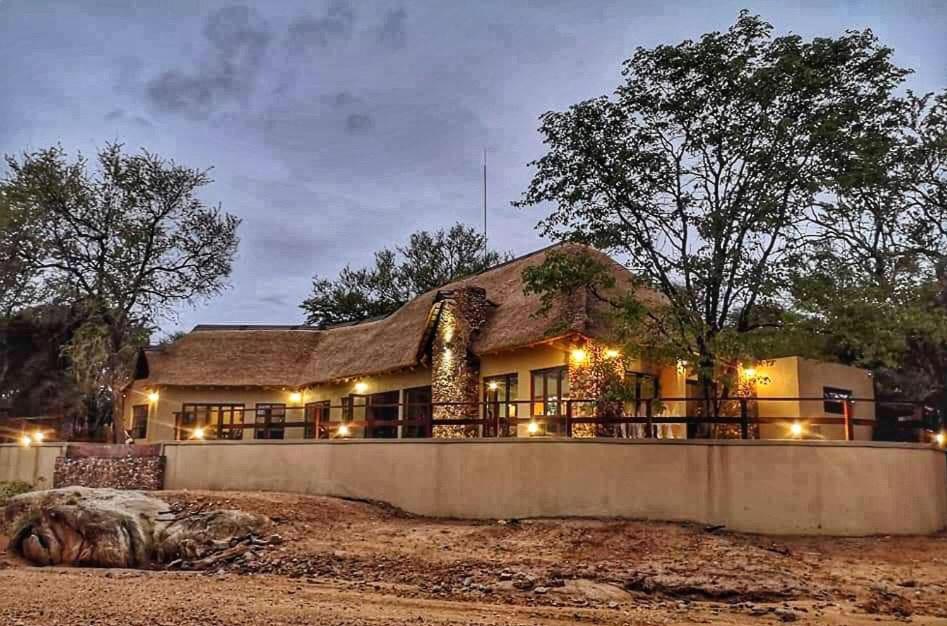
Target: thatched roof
{"points": [[292, 356]]}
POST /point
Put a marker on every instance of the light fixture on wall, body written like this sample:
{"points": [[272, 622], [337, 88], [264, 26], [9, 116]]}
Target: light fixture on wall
{"points": [[25, 440], [361, 387], [39, 436], [796, 430], [344, 430], [493, 386], [153, 395], [199, 433], [749, 373], [612, 353], [532, 428], [940, 439], [579, 355], [295, 397]]}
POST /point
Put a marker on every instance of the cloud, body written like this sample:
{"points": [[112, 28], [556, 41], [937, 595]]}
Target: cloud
{"points": [[392, 33], [307, 32], [359, 123], [237, 38]]}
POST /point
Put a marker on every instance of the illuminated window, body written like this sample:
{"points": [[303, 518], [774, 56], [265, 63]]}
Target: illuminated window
{"points": [[550, 387], [226, 419], [499, 394]]}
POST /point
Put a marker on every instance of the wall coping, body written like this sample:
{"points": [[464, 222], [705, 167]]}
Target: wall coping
{"points": [[534, 441], [897, 445]]}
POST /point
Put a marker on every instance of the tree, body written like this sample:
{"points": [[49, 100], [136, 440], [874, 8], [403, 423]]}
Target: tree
{"points": [[124, 244], [699, 171], [428, 261], [875, 273]]}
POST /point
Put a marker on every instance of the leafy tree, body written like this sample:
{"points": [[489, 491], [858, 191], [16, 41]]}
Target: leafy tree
{"points": [[124, 243], [876, 271], [427, 261], [699, 171]]}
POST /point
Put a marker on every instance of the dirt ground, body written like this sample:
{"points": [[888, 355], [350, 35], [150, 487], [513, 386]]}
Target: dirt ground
{"points": [[338, 562]]}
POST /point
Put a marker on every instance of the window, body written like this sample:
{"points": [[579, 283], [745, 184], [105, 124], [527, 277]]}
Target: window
{"points": [[317, 413], [269, 421], [417, 406], [225, 420], [550, 387], [383, 407], [139, 425], [499, 394], [833, 397]]}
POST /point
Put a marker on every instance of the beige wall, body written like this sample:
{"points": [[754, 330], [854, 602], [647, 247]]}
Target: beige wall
{"points": [[34, 465], [796, 377], [755, 486]]}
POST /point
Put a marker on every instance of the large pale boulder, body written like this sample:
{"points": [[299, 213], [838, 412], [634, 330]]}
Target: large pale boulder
{"points": [[110, 528]]}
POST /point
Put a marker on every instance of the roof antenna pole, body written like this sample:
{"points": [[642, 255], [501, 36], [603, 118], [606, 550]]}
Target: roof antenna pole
{"points": [[484, 208]]}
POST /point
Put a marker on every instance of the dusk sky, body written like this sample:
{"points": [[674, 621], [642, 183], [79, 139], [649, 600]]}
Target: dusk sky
{"points": [[335, 128]]}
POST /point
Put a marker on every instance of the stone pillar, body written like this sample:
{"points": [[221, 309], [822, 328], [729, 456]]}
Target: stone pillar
{"points": [[588, 380], [455, 371]]}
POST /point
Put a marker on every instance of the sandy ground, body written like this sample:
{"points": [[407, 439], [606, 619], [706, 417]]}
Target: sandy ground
{"points": [[354, 563]]}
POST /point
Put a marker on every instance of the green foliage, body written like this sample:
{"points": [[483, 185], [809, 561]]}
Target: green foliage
{"points": [[123, 244], [703, 173], [427, 261]]}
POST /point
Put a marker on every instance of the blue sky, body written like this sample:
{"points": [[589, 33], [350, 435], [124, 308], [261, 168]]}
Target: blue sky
{"points": [[337, 127]]}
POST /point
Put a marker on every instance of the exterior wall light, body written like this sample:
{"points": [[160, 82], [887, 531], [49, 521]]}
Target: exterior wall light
{"points": [[940, 439], [612, 353], [749, 373], [361, 387], [199, 433], [344, 430], [25, 441], [795, 429], [532, 428], [579, 355], [153, 396], [295, 397], [38, 436], [492, 386]]}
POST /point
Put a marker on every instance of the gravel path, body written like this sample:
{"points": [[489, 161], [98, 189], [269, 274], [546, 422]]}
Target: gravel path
{"points": [[343, 562]]}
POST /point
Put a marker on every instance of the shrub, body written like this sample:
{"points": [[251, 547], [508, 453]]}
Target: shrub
{"points": [[10, 488]]}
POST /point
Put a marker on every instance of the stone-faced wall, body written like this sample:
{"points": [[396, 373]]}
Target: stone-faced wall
{"points": [[455, 370], [588, 379], [117, 467]]}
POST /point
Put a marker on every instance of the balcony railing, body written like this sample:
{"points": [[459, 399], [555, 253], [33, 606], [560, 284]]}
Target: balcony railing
{"points": [[739, 418]]}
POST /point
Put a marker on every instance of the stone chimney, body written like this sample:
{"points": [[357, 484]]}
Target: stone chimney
{"points": [[455, 370]]}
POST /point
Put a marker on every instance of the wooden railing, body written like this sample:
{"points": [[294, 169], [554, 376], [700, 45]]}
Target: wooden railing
{"points": [[641, 419]]}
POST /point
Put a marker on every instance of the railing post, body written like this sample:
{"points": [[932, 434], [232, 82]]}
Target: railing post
{"points": [[569, 418], [649, 433], [317, 434], [496, 417], [847, 415], [744, 420]]}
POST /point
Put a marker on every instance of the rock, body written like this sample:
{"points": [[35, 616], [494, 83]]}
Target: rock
{"points": [[786, 615], [109, 528]]}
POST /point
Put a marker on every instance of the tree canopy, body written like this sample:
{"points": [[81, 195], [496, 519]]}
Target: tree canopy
{"points": [[427, 261], [122, 244], [722, 171]]}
